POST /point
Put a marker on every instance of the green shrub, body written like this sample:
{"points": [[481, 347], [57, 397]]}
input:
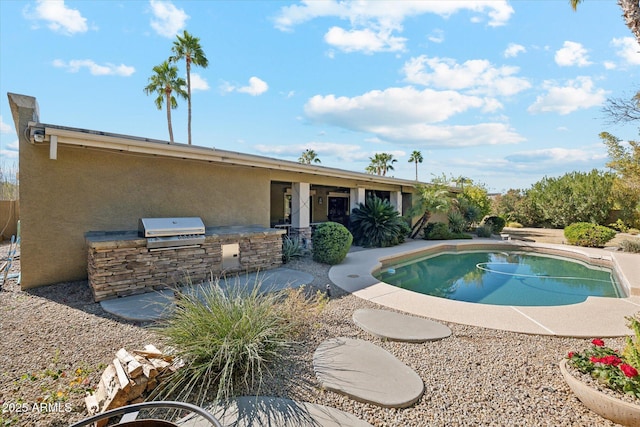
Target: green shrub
{"points": [[457, 222], [633, 231], [588, 235], [228, 338], [440, 231], [619, 225], [331, 242], [377, 224], [436, 231], [495, 222], [514, 224], [630, 245], [291, 248], [484, 230]]}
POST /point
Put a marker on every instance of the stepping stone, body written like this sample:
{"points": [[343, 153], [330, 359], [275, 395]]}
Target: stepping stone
{"points": [[366, 372], [394, 326], [251, 411]]}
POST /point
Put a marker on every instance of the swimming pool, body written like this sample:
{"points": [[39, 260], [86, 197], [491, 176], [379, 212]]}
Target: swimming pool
{"points": [[503, 278]]}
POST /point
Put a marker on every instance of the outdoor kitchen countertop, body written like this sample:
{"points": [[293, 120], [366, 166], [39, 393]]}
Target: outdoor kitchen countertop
{"points": [[99, 238]]}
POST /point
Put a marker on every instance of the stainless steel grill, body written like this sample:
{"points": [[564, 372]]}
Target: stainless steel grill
{"points": [[171, 233]]}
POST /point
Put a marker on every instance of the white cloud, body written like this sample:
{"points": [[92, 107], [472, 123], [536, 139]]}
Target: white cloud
{"points": [[6, 128], [107, 69], [11, 151], [513, 50], [576, 94], [609, 65], [367, 40], [59, 17], [628, 49], [478, 76], [341, 152], [571, 54], [256, 87], [407, 115], [198, 82], [436, 36], [374, 22], [167, 19], [560, 156]]}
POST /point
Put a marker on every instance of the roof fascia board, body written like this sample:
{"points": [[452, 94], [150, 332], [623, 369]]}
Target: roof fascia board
{"points": [[124, 143]]}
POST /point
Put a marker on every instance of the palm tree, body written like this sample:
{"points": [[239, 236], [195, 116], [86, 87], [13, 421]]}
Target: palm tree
{"points": [[164, 83], [188, 47], [381, 163], [461, 181], [630, 12], [309, 156], [431, 199], [416, 157]]}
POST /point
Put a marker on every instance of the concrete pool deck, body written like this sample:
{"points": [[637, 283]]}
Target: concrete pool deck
{"points": [[596, 317]]}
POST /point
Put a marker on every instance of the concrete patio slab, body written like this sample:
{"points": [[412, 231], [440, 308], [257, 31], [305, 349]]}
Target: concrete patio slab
{"points": [[366, 373], [394, 326], [596, 317], [153, 306]]}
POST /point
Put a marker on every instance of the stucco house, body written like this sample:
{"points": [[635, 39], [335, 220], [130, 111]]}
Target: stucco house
{"points": [[75, 181]]}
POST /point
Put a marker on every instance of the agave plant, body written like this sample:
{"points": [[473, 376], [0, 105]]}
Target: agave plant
{"points": [[377, 224]]}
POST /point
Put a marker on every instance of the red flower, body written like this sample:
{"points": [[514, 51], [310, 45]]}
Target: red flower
{"points": [[598, 342], [595, 359], [629, 370], [611, 360], [570, 355]]}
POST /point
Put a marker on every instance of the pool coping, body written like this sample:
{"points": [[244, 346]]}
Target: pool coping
{"points": [[595, 317]]}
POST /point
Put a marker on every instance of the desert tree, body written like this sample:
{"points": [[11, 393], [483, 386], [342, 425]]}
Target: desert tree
{"points": [[309, 156]]}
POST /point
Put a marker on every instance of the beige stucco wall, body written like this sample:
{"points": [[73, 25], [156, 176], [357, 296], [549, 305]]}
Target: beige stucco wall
{"points": [[90, 190]]}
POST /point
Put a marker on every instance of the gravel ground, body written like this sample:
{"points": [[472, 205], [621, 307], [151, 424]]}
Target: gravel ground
{"points": [[56, 342]]}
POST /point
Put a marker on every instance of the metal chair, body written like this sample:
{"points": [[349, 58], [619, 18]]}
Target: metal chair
{"points": [[130, 413]]}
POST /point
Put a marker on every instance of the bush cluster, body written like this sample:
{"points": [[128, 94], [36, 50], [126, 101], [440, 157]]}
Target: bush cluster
{"points": [[331, 242], [588, 235], [630, 245], [441, 231], [484, 230], [495, 222]]}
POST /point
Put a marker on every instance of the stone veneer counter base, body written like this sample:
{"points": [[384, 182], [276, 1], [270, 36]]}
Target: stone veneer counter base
{"points": [[120, 264]]}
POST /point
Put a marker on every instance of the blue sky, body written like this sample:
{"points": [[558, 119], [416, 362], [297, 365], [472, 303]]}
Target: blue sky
{"points": [[502, 92]]}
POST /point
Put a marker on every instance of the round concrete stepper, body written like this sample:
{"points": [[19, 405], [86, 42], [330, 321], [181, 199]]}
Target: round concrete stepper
{"points": [[394, 326], [250, 411], [366, 372]]}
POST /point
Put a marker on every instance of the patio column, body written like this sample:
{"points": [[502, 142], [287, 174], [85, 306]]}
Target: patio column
{"points": [[396, 200], [357, 195], [300, 211]]}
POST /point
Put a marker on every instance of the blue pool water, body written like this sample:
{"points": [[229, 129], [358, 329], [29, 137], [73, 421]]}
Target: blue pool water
{"points": [[502, 278]]}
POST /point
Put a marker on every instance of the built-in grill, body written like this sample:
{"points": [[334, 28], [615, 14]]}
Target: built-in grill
{"points": [[171, 233]]}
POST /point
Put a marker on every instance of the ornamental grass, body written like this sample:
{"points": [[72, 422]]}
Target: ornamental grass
{"points": [[612, 368], [229, 337]]}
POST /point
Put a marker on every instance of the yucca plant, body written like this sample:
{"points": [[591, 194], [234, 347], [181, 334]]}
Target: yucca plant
{"points": [[228, 338], [377, 224], [291, 248], [457, 222]]}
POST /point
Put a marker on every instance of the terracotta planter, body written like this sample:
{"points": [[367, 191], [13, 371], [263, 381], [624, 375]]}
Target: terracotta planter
{"points": [[602, 404]]}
